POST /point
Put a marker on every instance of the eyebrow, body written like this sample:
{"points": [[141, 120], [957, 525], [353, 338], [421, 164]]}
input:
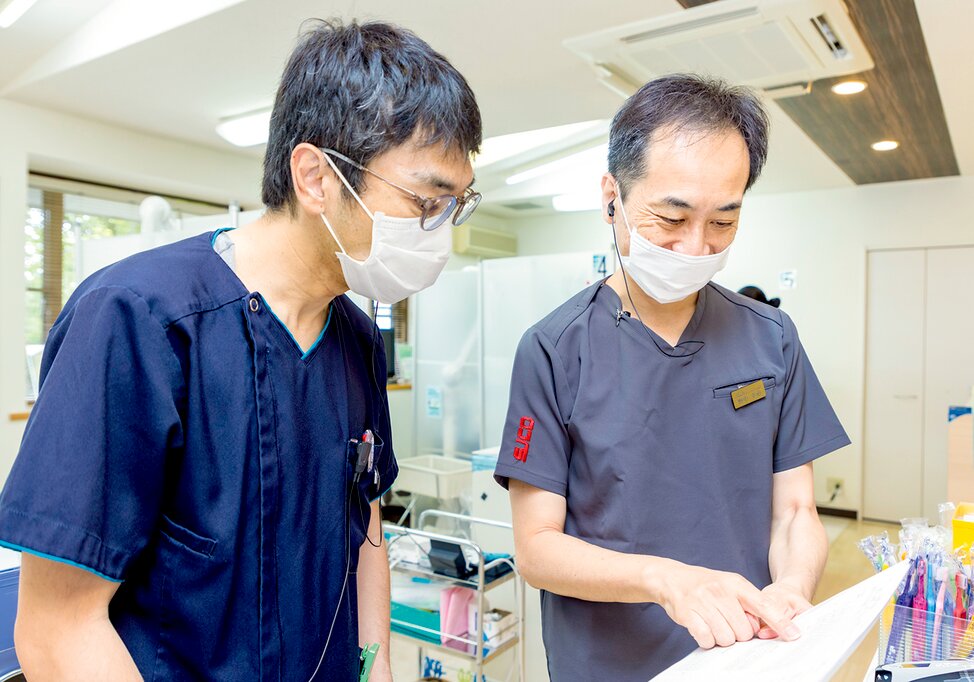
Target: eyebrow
{"points": [[434, 180], [675, 202]]}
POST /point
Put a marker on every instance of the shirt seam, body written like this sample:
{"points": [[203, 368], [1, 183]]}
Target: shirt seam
{"points": [[746, 307], [502, 468], [815, 449], [60, 524]]}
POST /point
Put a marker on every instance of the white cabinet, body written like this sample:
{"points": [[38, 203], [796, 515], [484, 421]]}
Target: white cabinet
{"points": [[919, 360]]}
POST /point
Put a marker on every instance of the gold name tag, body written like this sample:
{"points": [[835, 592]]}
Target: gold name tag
{"points": [[749, 394]]}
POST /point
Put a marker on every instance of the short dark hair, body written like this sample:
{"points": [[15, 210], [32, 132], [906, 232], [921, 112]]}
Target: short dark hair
{"points": [[363, 89], [685, 102]]}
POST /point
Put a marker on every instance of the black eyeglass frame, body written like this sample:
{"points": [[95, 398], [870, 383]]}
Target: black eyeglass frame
{"points": [[459, 207]]}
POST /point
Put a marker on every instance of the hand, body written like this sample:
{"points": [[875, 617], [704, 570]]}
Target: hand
{"points": [[720, 608], [786, 598]]}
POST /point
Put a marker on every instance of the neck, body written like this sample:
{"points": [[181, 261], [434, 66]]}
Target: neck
{"points": [[292, 263], [669, 320]]}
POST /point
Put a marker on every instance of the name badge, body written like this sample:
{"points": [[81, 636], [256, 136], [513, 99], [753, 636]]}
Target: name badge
{"points": [[749, 394]]}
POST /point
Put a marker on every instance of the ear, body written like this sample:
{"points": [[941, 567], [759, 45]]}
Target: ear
{"points": [[609, 196], [313, 180]]}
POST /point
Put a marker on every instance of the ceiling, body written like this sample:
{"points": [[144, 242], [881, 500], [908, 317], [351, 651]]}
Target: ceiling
{"points": [[177, 75]]}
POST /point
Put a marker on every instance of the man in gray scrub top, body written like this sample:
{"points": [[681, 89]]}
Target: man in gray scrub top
{"points": [[661, 428]]}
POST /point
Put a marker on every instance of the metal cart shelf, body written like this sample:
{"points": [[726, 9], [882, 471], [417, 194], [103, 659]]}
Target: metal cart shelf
{"points": [[466, 647]]}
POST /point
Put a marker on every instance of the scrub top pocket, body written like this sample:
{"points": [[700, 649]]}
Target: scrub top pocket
{"points": [[725, 391]]}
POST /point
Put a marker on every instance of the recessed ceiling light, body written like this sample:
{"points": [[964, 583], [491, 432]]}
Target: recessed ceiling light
{"points": [[12, 10], [848, 87], [246, 130], [885, 145]]}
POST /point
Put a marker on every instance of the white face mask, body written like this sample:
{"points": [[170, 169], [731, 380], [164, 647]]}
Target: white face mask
{"points": [[665, 275], [404, 258]]}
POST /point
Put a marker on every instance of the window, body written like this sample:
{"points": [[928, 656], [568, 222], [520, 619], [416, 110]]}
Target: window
{"points": [[383, 317], [392, 321], [62, 216]]}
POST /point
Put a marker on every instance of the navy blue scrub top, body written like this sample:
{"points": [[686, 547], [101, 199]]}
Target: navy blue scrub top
{"points": [[184, 445], [643, 441]]}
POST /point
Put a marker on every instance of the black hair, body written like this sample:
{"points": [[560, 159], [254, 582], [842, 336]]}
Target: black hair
{"points": [[757, 294], [684, 102], [363, 89]]}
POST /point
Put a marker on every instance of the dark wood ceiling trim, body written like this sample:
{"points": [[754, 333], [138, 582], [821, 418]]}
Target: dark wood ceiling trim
{"points": [[901, 102]]}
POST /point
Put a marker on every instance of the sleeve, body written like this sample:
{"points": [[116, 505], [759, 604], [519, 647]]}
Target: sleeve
{"points": [[535, 447], [385, 456], [86, 485], [808, 427]]}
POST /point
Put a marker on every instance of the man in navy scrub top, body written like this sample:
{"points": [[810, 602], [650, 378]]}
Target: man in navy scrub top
{"points": [[196, 495], [659, 441]]}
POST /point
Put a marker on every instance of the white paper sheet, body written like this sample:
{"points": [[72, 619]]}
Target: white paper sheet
{"points": [[831, 631]]}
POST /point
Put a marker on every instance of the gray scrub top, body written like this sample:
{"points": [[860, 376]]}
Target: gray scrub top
{"points": [[643, 441]]}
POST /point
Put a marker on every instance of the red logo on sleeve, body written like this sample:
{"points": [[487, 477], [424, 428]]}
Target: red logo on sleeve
{"points": [[523, 441]]}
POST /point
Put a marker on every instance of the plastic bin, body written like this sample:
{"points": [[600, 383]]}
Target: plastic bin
{"points": [[434, 476], [910, 636]]}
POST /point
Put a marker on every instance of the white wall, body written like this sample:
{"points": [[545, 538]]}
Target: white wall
{"points": [[824, 235], [41, 140]]}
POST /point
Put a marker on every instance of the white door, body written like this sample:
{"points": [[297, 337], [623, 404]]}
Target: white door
{"points": [[949, 373], [893, 434]]}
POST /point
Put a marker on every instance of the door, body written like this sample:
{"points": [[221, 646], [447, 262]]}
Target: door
{"points": [[949, 371], [893, 433]]}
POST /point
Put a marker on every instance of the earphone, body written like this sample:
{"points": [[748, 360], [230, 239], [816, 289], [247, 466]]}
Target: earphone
{"points": [[612, 208]]}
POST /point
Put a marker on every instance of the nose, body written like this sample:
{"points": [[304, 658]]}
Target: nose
{"points": [[693, 242]]}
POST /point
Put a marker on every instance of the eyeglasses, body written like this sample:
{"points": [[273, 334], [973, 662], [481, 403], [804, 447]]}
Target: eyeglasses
{"points": [[436, 210]]}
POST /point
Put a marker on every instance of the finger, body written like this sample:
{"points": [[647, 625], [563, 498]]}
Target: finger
{"points": [[722, 631], [767, 633], [737, 619], [800, 605], [755, 623], [775, 616], [700, 632]]}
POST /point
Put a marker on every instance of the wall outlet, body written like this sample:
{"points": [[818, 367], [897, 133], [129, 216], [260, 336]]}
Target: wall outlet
{"points": [[834, 487]]}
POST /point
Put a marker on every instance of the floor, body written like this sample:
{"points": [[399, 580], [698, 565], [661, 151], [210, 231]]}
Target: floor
{"points": [[846, 567]]}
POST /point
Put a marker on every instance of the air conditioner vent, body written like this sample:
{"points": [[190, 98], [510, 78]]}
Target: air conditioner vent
{"points": [[821, 24], [693, 25], [524, 205], [766, 44], [471, 240]]}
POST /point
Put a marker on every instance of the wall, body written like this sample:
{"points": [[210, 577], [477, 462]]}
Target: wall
{"points": [[824, 235], [42, 140]]}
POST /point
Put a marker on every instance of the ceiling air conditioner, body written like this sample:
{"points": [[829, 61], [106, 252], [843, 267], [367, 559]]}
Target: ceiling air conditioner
{"points": [[779, 46], [470, 240]]}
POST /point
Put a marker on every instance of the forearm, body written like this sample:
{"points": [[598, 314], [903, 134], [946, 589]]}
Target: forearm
{"points": [[374, 598], [799, 548], [565, 565], [63, 650]]}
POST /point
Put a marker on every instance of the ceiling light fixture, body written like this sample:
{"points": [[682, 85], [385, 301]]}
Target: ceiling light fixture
{"points": [[501, 147], [584, 162], [885, 145], [13, 10], [578, 201], [848, 87], [246, 130]]}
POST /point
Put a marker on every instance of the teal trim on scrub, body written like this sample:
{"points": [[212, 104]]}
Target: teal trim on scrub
{"points": [[381, 494], [18, 548], [307, 353], [217, 233]]}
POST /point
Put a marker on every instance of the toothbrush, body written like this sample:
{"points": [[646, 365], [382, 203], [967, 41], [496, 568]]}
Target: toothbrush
{"points": [[936, 645]]}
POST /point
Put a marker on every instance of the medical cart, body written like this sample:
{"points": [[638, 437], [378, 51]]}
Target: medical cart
{"points": [[486, 578]]}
